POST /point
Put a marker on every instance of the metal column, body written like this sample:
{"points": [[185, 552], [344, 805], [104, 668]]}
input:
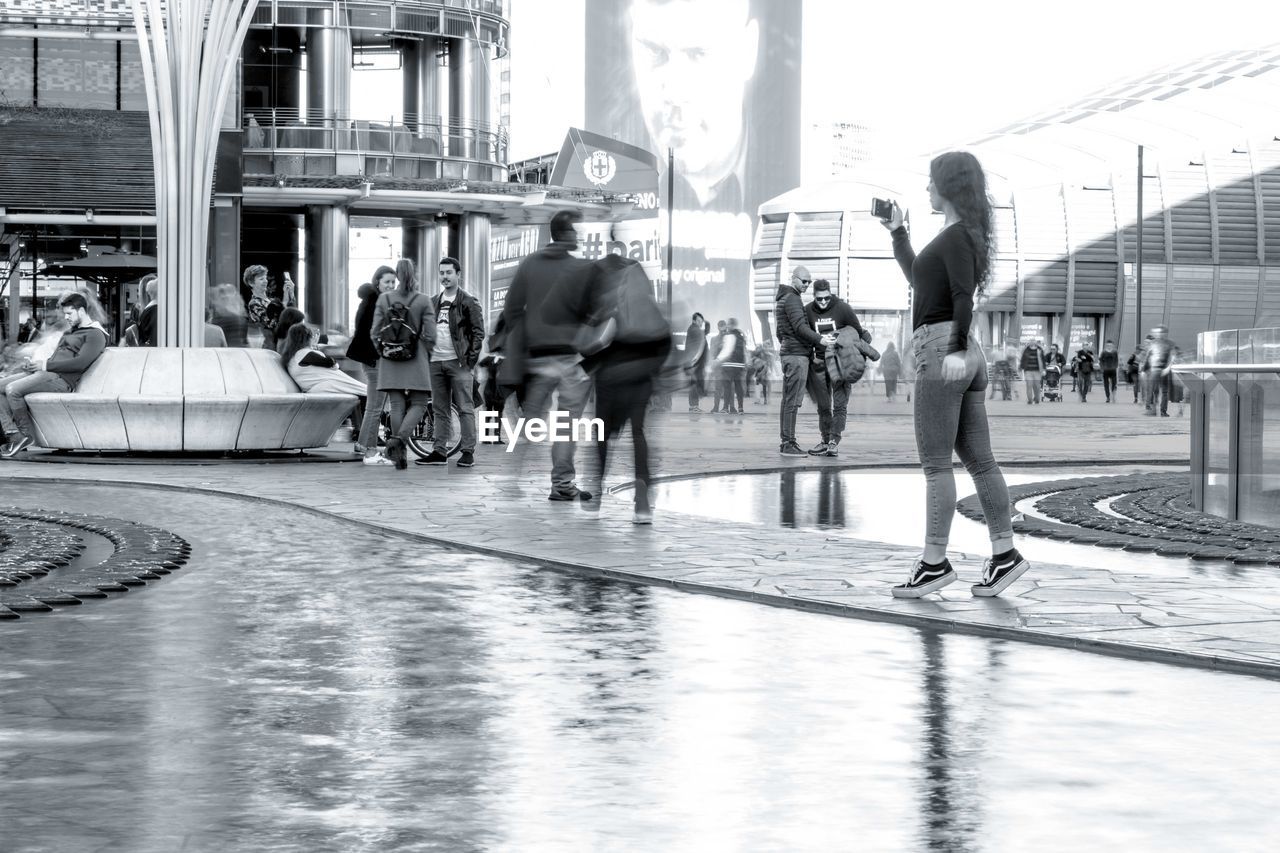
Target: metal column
{"points": [[475, 258], [328, 296]]}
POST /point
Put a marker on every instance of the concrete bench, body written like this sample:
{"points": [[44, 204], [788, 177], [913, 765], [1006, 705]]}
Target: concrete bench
{"points": [[140, 398]]}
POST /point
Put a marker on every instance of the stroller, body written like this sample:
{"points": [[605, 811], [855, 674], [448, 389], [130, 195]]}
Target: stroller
{"points": [[1052, 384]]}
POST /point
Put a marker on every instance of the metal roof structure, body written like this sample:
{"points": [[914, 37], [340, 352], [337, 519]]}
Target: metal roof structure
{"points": [[1065, 185]]}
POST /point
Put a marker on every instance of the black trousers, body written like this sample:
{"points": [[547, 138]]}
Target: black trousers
{"points": [[1109, 383], [616, 405]]}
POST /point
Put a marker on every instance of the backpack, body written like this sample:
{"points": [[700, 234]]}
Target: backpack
{"points": [[640, 320], [397, 338]]}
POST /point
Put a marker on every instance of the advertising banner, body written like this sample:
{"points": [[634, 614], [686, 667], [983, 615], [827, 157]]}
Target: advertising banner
{"points": [[1084, 332], [719, 85]]}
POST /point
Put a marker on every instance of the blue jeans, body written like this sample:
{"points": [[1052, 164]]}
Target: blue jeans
{"points": [[952, 416], [373, 402], [453, 383], [563, 376], [795, 375], [14, 416]]}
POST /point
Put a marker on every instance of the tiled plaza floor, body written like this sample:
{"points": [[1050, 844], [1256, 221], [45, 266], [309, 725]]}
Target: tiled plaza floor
{"points": [[1226, 623]]}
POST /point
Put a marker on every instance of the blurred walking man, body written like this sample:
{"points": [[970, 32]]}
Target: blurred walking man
{"points": [[546, 306]]}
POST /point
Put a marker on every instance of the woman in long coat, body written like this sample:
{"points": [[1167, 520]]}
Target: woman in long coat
{"points": [[407, 382]]}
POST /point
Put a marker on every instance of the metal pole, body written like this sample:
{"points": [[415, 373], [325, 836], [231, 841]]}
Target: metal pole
{"points": [[1138, 268], [671, 200]]}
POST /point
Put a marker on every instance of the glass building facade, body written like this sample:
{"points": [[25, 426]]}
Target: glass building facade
{"points": [[1235, 430]]}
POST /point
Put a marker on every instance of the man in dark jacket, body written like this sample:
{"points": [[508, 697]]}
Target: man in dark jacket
{"points": [[625, 369], [695, 358], [796, 340], [459, 338], [1032, 364], [731, 362], [1082, 367], [79, 348], [827, 314], [1109, 363], [545, 308]]}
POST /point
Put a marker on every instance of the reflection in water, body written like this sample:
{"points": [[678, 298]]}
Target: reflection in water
{"points": [[360, 692], [951, 796], [886, 505], [830, 500]]}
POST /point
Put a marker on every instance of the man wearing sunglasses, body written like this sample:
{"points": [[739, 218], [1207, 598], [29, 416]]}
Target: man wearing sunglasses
{"points": [[796, 340], [827, 314]]}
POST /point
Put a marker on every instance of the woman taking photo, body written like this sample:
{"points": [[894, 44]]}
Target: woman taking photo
{"points": [[951, 374], [403, 332]]}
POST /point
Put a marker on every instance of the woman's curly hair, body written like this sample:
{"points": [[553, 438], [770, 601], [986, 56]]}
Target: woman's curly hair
{"points": [[958, 177]]}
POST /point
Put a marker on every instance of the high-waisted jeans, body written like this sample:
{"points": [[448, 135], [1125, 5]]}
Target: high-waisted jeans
{"points": [[953, 416]]}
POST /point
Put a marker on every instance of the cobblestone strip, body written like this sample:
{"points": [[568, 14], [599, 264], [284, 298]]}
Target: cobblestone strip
{"points": [[1157, 517], [39, 570]]}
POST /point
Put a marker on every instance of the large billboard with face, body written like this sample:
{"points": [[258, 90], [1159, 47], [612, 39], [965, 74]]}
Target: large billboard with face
{"points": [[717, 83]]}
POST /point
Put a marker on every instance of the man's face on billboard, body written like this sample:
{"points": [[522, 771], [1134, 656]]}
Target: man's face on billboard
{"points": [[692, 62]]}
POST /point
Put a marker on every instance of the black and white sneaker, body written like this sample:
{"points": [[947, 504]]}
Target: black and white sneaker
{"points": [[996, 577], [925, 579]]}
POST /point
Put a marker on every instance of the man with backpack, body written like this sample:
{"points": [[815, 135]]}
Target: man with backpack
{"points": [[826, 315], [459, 338]]}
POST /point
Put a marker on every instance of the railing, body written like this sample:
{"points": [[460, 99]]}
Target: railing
{"points": [[483, 20], [391, 148]]}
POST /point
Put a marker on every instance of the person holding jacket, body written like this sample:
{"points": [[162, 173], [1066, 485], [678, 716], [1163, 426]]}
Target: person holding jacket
{"points": [[361, 350], [407, 381], [459, 339], [950, 412], [79, 348], [796, 340], [826, 315]]}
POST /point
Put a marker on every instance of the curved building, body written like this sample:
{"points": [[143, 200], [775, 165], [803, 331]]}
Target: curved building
{"points": [[1065, 185], [298, 163]]}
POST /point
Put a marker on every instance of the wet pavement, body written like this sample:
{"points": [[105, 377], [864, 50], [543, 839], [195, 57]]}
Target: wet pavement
{"points": [[1231, 623], [306, 684]]}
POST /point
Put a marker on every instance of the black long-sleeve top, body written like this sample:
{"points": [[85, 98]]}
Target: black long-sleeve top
{"points": [[943, 278]]}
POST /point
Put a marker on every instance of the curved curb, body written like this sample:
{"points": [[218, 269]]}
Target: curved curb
{"points": [[913, 620]]}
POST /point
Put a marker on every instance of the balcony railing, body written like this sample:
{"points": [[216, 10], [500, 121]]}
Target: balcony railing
{"points": [[286, 142], [369, 22]]}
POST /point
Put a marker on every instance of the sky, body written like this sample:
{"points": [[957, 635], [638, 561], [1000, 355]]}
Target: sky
{"points": [[921, 75]]}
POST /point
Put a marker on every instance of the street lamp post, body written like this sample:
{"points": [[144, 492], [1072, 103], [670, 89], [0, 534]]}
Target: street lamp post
{"points": [[1138, 266]]}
